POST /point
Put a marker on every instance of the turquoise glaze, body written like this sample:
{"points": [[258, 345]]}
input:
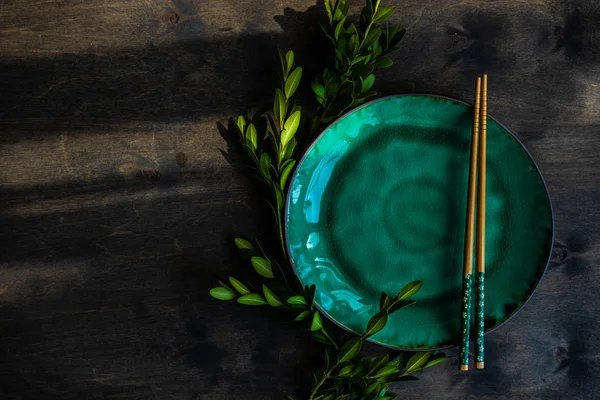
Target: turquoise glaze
{"points": [[379, 200]]}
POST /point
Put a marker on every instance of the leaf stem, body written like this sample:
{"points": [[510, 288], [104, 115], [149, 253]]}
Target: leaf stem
{"points": [[326, 375], [324, 332]]}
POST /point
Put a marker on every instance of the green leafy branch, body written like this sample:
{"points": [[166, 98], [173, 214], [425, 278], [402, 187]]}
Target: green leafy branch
{"points": [[359, 50], [300, 306], [274, 163], [345, 373]]}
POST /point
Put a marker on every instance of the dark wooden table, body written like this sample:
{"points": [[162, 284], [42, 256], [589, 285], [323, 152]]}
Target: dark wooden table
{"points": [[118, 204]]}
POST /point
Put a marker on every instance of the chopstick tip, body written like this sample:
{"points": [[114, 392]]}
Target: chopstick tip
{"points": [[464, 367], [479, 365]]}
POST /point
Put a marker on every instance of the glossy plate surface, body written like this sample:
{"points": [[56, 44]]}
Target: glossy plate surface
{"points": [[379, 200]]}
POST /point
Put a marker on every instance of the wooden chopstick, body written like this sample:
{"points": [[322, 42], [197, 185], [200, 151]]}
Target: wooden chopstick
{"points": [[481, 198], [465, 316]]}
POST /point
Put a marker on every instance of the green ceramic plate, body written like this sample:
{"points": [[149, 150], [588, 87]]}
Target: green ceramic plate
{"points": [[379, 200]]}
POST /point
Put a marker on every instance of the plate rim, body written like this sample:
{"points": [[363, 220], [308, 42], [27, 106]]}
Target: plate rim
{"points": [[435, 96]]}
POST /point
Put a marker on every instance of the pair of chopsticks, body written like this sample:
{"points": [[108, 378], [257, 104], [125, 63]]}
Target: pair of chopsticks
{"points": [[476, 191]]}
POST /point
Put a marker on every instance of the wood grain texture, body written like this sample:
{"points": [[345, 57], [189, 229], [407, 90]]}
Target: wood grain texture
{"points": [[106, 263]]}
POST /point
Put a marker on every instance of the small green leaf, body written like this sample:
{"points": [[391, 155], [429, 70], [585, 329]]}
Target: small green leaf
{"points": [[396, 37], [224, 284], [288, 166], [339, 56], [292, 82], [338, 13], [290, 127], [289, 149], [344, 6], [274, 127], [371, 38], [386, 371], [399, 305], [317, 323], [318, 89], [289, 58], [303, 315], [360, 59], [222, 293], [350, 350], [362, 70], [366, 15], [265, 165], [383, 62], [346, 371], [262, 267], [331, 89], [242, 244], [279, 105], [282, 61], [338, 28], [377, 49], [378, 363], [238, 286], [386, 397], [319, 337], [409, 290], [376, 323], [357, 102], [352, 46], [254, 299], [394, 31], [416, 361], [328, 9], [352, 30], [241, 124], [368, 94], [278, 195], [373, 389], [286, 163], [297, 300], [271, 297], [384, 13], [436, 361], [385, 301], [252, 137], [368, 83]]}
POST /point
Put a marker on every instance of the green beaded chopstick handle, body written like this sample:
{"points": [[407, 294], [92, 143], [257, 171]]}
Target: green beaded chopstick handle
{"points": [[479, 317], [480, 278], [465, 322], [465, 312]]}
